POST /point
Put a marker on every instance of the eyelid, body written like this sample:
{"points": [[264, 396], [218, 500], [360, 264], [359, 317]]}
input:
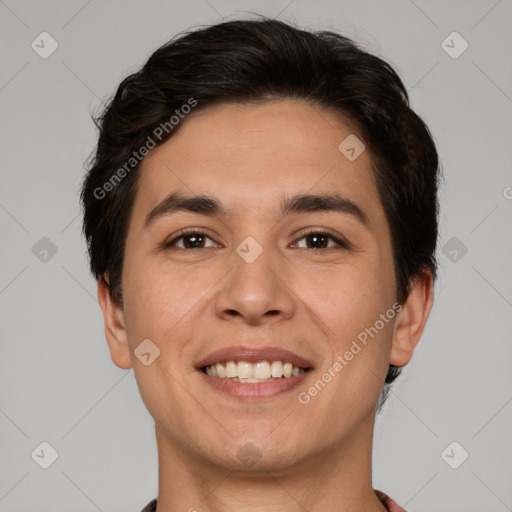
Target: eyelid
{"points": [[184, 232], [340, 240]]}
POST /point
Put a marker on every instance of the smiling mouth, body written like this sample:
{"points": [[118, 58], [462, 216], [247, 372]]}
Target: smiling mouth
{"points": [[261, 371]]}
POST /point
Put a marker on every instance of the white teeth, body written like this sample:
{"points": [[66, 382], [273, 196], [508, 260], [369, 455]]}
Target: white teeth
{"points": [[262, 371], [277, 368], [244, 370], [220, 370], [231, 370]]}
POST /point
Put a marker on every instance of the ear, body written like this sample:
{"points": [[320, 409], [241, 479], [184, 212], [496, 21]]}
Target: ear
{"points": [[115, 330], [411, 320]]}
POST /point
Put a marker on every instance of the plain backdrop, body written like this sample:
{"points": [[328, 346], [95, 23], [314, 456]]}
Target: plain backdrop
{"points": [[58, 384]]}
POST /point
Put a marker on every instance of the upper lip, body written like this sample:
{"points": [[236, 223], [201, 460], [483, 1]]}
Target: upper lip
{"points": [[254, 355]]}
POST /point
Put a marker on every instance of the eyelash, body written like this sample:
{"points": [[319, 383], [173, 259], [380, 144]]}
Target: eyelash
{"points": [[190, 232]]}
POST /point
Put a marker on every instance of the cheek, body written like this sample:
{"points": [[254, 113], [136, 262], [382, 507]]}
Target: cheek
{"points": [[161, 301], [352, 306], [354, 296]]}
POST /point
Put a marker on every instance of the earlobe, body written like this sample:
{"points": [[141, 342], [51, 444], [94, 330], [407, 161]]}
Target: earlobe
{"points": [[411, 320], [115, 330]]}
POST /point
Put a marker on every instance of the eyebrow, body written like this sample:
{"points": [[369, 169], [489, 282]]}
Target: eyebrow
{"points": [[302, 203]]}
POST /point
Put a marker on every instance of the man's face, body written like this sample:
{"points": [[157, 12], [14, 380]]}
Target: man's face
{"points": [[281, 287]]}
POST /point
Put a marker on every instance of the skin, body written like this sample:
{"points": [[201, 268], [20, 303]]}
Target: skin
{"points": [[315, 302]]}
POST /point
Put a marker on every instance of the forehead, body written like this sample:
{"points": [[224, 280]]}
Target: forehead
{"points": [[251, 156]]}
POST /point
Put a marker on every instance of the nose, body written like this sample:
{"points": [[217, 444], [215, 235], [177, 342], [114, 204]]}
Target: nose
{"points": [[257, 292]]}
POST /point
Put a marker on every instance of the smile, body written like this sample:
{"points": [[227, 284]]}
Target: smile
{"points": [[262, 371], [251, 373]]}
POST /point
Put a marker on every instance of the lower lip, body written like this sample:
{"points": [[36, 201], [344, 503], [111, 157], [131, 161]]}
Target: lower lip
{"points": [[251, 391]]}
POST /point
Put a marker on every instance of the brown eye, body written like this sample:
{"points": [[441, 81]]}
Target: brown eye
{"points": [[321, 240], [194, 240]]}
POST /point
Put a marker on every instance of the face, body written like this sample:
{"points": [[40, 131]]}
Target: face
{"points": [[258, 268]]}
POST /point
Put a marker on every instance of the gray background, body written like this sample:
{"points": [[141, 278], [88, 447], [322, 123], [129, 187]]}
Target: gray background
{"points": [[58, 383]]}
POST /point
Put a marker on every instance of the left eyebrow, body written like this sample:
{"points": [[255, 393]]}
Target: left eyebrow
{"points": [[206, 205], [324, 203]]}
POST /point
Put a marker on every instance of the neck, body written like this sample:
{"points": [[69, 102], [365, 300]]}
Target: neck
{"points": [[335, 481]]}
